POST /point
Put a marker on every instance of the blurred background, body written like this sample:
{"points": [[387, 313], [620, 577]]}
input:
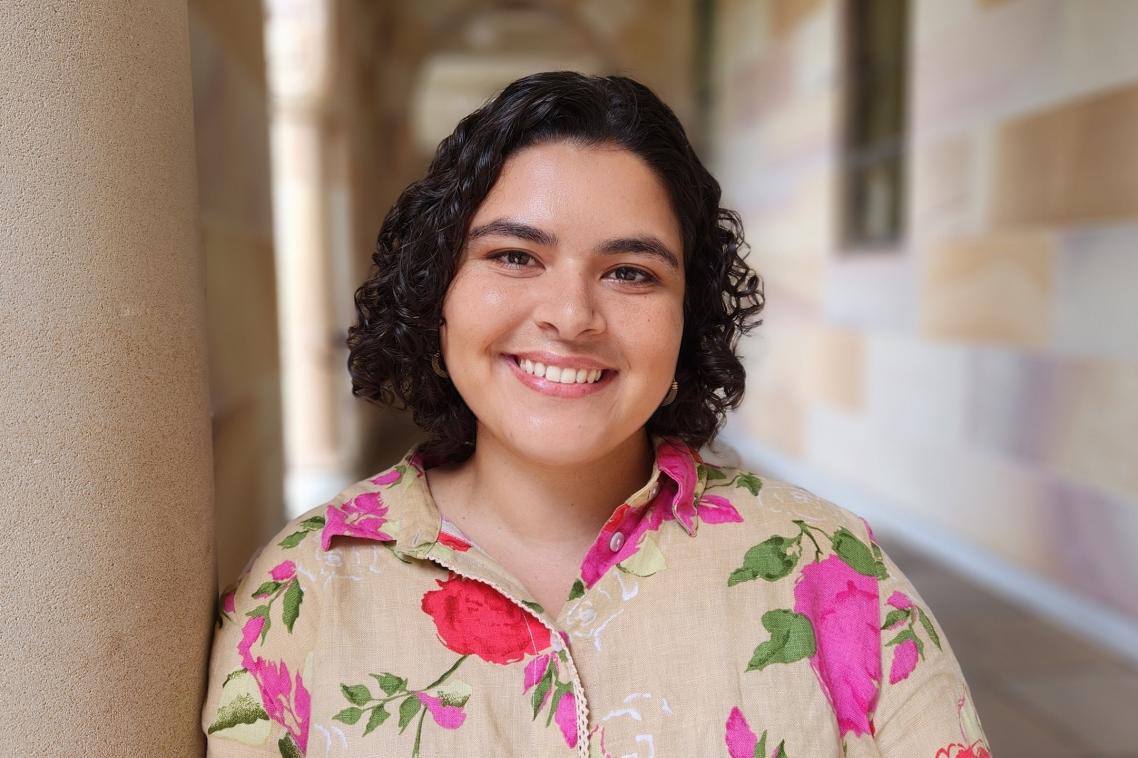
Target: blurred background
{"points": [[942, 196]]}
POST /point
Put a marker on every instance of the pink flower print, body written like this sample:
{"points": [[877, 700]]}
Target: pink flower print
{"points": [[534, 671], [675, 459], [741, 741], [283, 571], [900, 600], [390, 476], [566, 718], [904, 661], [842, 606], [630, 522], [229, 602], [362, 516], [288, 707], [446, 716], [249, 634], [715, 509]]}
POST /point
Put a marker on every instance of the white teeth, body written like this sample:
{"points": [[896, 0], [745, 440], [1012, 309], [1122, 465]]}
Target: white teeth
{"points": [[558, 374]]}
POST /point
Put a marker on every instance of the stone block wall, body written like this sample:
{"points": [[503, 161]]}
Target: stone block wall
{"points": [[978, 382]]}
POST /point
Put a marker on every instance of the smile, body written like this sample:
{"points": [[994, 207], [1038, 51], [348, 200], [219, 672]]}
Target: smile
{"points": [[558, 381]]}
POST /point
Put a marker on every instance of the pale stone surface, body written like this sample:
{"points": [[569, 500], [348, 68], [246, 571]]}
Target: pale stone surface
{"points": [[106, 475], [1096, 277], [1093, 441], [1072, 163], [990, 289]]}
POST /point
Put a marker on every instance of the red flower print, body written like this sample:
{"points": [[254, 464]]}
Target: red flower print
{"points": [[957, 750], [454, 543], [473, 618]]}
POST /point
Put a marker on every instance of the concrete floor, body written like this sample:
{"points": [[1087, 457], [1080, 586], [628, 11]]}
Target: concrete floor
{"points": [[1041, 692]]}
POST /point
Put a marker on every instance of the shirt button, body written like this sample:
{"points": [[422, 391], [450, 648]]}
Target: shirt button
{"points": [[616, 541]]}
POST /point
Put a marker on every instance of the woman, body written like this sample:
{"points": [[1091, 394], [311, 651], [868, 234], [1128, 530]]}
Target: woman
{"points": [[557, 572]]}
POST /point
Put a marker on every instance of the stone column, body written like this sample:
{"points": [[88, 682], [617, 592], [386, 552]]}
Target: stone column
{"points": [[311, 229], [105, 475]]}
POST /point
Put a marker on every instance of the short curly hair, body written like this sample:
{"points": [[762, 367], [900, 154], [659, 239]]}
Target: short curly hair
{"points": [[399, 307]]}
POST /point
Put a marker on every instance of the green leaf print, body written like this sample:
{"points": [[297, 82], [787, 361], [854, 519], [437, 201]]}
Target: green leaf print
{"points": [[761, 747], [781, 751], [407, 710], [390, 683], [241, 710], [293, 539], [908, 634], [535, 607], [929, 630], [540, 691], [577, 590], [293, 597], [357, 694], [711, 473], [379, 714], [749, 482], [263, 612], [306, 526], [349, 715], [316, 522], [895, 616], [267, 588], [854, 552], [768, 560], [288, 748], [792, 639]]}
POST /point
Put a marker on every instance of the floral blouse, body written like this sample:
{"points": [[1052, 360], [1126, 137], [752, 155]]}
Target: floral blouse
{"points": [[716, 614]]}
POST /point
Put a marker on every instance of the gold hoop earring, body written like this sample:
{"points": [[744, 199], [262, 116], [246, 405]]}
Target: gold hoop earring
{"points": [[437, 368], [672, 392]]}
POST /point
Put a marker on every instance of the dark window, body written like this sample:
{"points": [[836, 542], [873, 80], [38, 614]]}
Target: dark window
{"points": [[874, 140]]}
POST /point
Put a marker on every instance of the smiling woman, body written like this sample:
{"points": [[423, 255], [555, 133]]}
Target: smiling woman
{"points": [[558, 302]]}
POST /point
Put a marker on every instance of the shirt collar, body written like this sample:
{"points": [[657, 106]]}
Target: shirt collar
{"points": [[396, 506]]}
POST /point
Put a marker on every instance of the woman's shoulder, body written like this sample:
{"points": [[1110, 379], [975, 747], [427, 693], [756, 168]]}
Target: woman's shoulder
{"points": [[769, 506]]}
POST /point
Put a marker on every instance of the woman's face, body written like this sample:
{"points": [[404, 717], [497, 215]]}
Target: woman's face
{"points": [[575, 261]]}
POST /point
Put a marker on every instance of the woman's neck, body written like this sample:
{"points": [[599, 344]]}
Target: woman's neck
{"points": [[535, 503]]}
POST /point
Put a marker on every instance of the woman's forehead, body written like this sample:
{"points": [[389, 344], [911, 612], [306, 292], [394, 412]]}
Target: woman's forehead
{"points": [[577, 194]]}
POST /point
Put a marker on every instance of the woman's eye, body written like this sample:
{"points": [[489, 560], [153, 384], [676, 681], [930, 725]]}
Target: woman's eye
{"points": [[512, 258], [633, 275]]}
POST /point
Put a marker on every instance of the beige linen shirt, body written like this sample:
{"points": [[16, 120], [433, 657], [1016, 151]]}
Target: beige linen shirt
{"points": [[716, 614]]}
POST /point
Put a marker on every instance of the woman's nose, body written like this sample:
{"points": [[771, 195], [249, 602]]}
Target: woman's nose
{"points": [[568, 305]]}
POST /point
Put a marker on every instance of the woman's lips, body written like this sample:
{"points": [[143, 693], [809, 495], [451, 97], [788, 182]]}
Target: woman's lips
{"points": [[557, 389]]}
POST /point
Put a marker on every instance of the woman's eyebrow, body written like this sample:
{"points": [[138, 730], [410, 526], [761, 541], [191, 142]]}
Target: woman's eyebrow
{"points": [[644, 244], [508, 228]]}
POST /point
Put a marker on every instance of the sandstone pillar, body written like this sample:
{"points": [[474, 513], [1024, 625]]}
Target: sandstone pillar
{"points": [[105, 474]]}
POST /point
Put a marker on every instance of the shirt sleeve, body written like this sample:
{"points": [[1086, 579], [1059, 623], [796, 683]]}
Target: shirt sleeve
{"points": [[257, 703], [924, 708]]}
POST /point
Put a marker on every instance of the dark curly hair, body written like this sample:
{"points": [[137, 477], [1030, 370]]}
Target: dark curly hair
{"points": [[399, 307]]}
